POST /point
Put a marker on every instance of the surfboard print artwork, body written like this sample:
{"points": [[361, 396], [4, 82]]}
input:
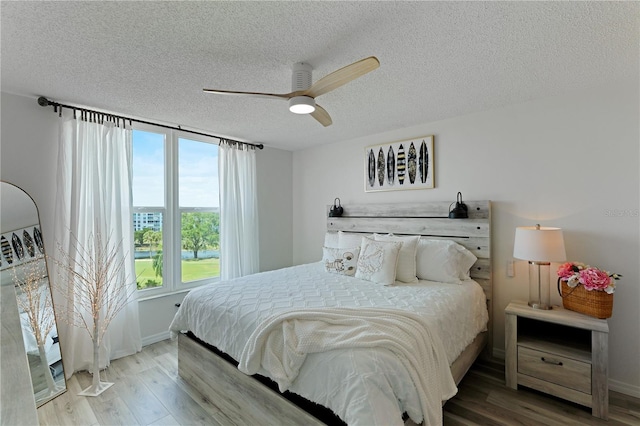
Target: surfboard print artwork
{"points": [[400, 165], [381, 167], [28, 243], [17, 246], [391, 166], [411, 164], [6, 250], [37, 236], [371, 168], [423, 162]]}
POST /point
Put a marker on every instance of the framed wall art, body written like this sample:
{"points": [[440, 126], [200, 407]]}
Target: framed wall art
{"points": [[20, 246], [406, 164]]}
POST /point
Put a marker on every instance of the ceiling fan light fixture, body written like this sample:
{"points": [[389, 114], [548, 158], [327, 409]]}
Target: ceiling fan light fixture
{"points": [[304, 92], [302, 105]]}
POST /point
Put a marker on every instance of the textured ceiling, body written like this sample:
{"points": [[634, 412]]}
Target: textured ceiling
{"points": [[438, 59]]}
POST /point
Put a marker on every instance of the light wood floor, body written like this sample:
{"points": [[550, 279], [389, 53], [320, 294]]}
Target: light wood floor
{"points": [[148, 391]]}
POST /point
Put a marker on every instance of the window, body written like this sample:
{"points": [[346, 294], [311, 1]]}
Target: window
{"points": [[176, 215], [199, 210]]}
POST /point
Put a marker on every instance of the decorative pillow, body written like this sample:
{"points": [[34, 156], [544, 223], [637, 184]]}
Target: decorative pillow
{"points": [[340, 261], [443, 260], [349, 239], [331, 239], [406, 269], [378, 261]]}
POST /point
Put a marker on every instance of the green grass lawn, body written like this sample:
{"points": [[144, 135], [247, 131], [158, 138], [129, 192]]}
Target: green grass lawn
{"points": [[192, 270]]}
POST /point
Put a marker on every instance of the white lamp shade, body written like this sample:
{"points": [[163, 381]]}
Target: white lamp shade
{"points": [[539, 244]]}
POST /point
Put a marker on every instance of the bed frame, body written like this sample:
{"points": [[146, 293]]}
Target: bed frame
{"points": [[244, 400]]}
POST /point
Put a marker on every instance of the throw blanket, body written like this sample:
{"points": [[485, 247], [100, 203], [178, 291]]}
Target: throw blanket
{"points": [[281, 344]]}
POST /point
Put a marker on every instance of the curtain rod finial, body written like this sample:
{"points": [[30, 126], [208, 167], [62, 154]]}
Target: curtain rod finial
{"points": [[42, 101], [260, 146]]}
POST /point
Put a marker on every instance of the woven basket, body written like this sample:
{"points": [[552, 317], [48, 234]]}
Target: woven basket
{"points": [[594, 303]]}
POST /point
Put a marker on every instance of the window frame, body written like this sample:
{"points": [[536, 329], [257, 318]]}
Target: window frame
{"points": [[172, 214]]}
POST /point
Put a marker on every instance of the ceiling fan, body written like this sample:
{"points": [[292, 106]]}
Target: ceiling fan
{"points": [[303, 93]]}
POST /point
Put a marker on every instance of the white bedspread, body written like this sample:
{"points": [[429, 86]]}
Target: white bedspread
{"points": [[281, 344], [362, 385]]}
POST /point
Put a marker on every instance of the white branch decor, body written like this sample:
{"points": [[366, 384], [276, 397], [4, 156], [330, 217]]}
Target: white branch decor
{"points": [[34, 299], [98, 289]]}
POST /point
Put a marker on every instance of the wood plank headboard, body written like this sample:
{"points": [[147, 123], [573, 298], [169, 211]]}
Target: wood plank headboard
{"points": [[430, 220]]}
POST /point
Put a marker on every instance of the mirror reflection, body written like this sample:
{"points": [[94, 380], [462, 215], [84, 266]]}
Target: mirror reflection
{"points": [[23, 265]]}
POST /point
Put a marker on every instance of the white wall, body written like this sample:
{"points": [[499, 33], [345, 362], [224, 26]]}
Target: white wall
{"points": [[275, 201], [569, 161], [28, 153], [28, 157]]}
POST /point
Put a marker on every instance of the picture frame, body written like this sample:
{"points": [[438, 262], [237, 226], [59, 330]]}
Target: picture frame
{"points": [[400, 165]]}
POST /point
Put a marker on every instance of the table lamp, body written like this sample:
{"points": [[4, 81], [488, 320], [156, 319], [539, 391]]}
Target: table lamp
{"points": [[540, 246]]}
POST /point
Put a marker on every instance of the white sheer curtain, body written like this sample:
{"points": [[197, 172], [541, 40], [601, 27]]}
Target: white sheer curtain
{"points": [[238, 210], [94, 198]]}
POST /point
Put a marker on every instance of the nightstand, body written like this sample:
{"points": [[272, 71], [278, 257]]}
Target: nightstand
{"points": [[559, 352]]}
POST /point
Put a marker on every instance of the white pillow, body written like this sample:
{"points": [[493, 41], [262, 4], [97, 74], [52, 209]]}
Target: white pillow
{"points": [[331, 239], [443, 260], [378, 261], [406, 269], [349, 239], [340, 261]]}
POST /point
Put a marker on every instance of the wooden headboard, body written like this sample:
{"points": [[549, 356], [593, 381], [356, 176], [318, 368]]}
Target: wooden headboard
{"points": [[429, 220]]}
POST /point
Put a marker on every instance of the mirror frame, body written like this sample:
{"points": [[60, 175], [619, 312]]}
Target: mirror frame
{"points": [[25, 247]]}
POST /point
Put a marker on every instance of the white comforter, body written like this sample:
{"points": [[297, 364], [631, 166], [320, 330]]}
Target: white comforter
{"points": [[361, 385]]}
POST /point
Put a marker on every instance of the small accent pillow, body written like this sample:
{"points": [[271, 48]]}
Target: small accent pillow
{"points": [[349, 239], [378, 261], [443, 261], [340, 261], [331, 239], [406, 269]]}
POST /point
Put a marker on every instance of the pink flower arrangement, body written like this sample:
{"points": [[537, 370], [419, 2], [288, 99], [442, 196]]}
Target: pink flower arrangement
{"points": [[591, 278]]}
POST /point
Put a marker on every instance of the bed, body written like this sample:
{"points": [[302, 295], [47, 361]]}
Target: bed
{"points": [[363, 375]]}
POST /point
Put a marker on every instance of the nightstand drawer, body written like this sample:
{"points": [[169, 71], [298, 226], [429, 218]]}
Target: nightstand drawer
{"points": [[554, 368]]}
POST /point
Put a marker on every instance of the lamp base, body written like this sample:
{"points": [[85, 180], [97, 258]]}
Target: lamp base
{"points": [[539, 290], [539, 305]]}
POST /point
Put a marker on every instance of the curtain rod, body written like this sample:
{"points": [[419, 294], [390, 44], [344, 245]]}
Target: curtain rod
{"points": [[44, 102]]}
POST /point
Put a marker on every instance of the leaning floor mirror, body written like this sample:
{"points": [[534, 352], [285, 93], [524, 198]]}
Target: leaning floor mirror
{"points": [[24, 275]]}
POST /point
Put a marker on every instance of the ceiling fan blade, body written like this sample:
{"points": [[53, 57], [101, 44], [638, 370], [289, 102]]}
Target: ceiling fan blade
{"points": [[322, 116], [342, 76], [285, 96]]}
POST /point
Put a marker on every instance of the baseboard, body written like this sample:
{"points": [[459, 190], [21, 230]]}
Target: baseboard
{"points": [[498, 353], [155, 338], [624, 388], [614, 385], [122, 354]]}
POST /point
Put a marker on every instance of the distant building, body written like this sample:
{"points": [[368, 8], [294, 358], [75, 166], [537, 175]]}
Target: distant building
{"points": [[147, 220]]}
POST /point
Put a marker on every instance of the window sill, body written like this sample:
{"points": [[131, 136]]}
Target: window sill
{"points": [[157, 292], [164, 294]]}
